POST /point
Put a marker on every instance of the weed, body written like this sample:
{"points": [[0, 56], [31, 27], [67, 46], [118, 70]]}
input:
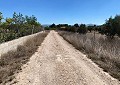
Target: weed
{"points": [[102, 50]]}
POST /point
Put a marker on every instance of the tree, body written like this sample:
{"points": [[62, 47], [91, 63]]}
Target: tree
{"points": [[32, 20], [18, 18], [1, 17], [82, 29], [112, 26], [9, 21], [90, 28], [18, 26], [52, 26], [116, 24], [76, 25]]}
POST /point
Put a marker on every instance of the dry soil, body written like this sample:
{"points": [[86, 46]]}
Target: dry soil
{"points": [[56, 62]]}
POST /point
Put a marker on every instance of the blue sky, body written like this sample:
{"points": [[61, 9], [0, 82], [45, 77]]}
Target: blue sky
{"points": [[63, 11]]}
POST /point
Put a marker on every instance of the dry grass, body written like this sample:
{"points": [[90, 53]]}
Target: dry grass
{"points": [[102, 50], [11, 62]]}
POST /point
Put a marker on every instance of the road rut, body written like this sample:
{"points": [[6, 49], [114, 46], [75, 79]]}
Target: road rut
{"points": [[56, 62]]}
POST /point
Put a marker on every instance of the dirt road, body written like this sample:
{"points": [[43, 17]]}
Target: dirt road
{"points": [[56, 62]]}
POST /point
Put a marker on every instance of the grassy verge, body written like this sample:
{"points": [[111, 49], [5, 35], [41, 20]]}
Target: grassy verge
{"points": [[11, 62], [100, 49]]}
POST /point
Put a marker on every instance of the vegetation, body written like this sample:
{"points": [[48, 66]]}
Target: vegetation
{"points": [[110, 28], [11, 62], [101, 43], [17, 26], [13, 28], [102, 50]]}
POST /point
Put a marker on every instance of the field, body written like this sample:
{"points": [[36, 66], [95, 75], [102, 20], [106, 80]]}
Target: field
{"points": [[103, 51]]}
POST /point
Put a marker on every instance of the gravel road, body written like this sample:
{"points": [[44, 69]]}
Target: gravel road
{"points": [[56, 62]]}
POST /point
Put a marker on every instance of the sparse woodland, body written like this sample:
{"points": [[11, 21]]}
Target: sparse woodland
{"points": [[17, 26], [110, 28]]}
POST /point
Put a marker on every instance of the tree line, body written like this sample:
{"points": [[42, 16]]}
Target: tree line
{"points": [[110, 28], [17, 26]]}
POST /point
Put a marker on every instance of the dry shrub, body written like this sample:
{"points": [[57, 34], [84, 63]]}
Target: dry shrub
{"points": [[102, 50], [11, 62]]}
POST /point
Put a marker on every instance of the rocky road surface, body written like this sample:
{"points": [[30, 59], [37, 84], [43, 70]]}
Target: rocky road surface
{"points": [[56, 62]]}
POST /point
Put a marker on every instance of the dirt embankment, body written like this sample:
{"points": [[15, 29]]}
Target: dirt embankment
{"points": [[16, 53], [57, 62]]}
